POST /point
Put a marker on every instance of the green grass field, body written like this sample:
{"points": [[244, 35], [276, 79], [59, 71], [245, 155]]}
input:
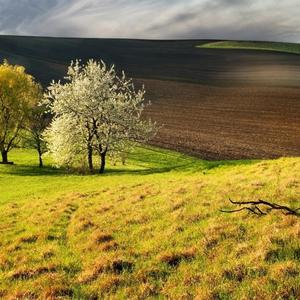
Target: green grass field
{"points": [[150, 229], [263, 46]]}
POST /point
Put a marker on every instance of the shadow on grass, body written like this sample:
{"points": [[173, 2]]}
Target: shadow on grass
{"points": [[188, 168], [152, 161], [144, 161], [201, 166], [29, 170]]}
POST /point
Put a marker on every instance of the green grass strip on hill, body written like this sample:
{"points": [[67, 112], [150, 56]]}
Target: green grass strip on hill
{"points": [[249, 45]]}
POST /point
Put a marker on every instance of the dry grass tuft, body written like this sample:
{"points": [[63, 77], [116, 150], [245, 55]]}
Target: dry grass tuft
{"points": [[286, 291], [137, 220], [178, 205], [104, 209], [3, 293], [204, 294], [147, 290], [289, 221], [80, 195], [242, 250], [285, 269], [120, 266], [48, 254], [237, 273], [92, 273], [117, 266], [28, 239], [22, 295], [109, 283], [58, 291], [293, 184], [181, 191], [150, 273], [84, 225], [25, 274], [109, 246], [100, 237], [174, 259], [13, 248], [258, 271], [273, 255], [191, 279], [4, 262], [194, 218], [210, 242]]}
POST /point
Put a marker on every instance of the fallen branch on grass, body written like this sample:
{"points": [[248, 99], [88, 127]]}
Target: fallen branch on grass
{"points": [[256, 207]]}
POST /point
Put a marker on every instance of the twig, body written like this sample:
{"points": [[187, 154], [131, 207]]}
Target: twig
{"points": [[255, 207]]}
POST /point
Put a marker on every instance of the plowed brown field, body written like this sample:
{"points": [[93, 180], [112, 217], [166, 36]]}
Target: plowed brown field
{"points": [[216, 104], [226, 123]]}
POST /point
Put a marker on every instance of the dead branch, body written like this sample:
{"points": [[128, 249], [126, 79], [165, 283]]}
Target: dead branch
{"points": [[257, 207]]}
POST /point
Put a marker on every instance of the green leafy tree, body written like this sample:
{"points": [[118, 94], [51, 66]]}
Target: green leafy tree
{"points": [[19, 93]]}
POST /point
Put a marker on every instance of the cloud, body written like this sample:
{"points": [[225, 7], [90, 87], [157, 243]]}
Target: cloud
{"points": [[158, 19]]}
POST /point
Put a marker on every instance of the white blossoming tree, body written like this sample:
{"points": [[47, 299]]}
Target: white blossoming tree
{"points": [[95, 113]]}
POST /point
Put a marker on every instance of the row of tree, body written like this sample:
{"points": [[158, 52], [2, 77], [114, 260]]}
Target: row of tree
{"points": [[93, 113]]}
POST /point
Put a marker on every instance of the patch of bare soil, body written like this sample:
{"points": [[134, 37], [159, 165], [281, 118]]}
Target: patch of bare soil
{"points": [[225, 122]]}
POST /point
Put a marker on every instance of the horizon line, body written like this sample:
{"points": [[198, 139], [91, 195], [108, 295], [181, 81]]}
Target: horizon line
{"points": [[141, 39]]}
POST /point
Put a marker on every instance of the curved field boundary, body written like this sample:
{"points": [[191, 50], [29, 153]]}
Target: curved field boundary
{"points": [[262, 46]]}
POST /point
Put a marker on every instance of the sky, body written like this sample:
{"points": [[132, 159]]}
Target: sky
{"points": [[272, 20]]}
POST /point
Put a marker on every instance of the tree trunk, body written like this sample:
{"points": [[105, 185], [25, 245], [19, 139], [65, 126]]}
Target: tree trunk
{"points": [[90, 158], [4, 154], [39, 151], [102, 166], [41, 165]]}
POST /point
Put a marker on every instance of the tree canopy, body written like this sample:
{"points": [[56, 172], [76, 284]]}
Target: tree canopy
{"points": [[19, 93]]}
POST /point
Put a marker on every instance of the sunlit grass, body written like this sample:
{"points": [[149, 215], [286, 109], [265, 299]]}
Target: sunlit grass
{"points": [[152, 228], [251, 45]]}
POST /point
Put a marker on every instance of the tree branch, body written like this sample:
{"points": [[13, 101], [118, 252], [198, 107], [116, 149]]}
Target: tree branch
{"points": [[256, 207]]}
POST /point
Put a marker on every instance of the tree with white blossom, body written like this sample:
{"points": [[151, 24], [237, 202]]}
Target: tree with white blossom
{"points": [[96, 112]]}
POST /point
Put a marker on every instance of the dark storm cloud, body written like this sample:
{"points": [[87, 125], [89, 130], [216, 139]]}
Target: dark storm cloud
{"points": [[227, 19]]}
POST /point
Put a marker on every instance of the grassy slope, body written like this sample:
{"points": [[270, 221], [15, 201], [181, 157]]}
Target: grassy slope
{"points": [[264, 46], [151, 228]]}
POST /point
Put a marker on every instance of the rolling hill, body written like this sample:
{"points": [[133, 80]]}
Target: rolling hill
{"points": [[214, 103], [151, 229], [261, 46]]}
